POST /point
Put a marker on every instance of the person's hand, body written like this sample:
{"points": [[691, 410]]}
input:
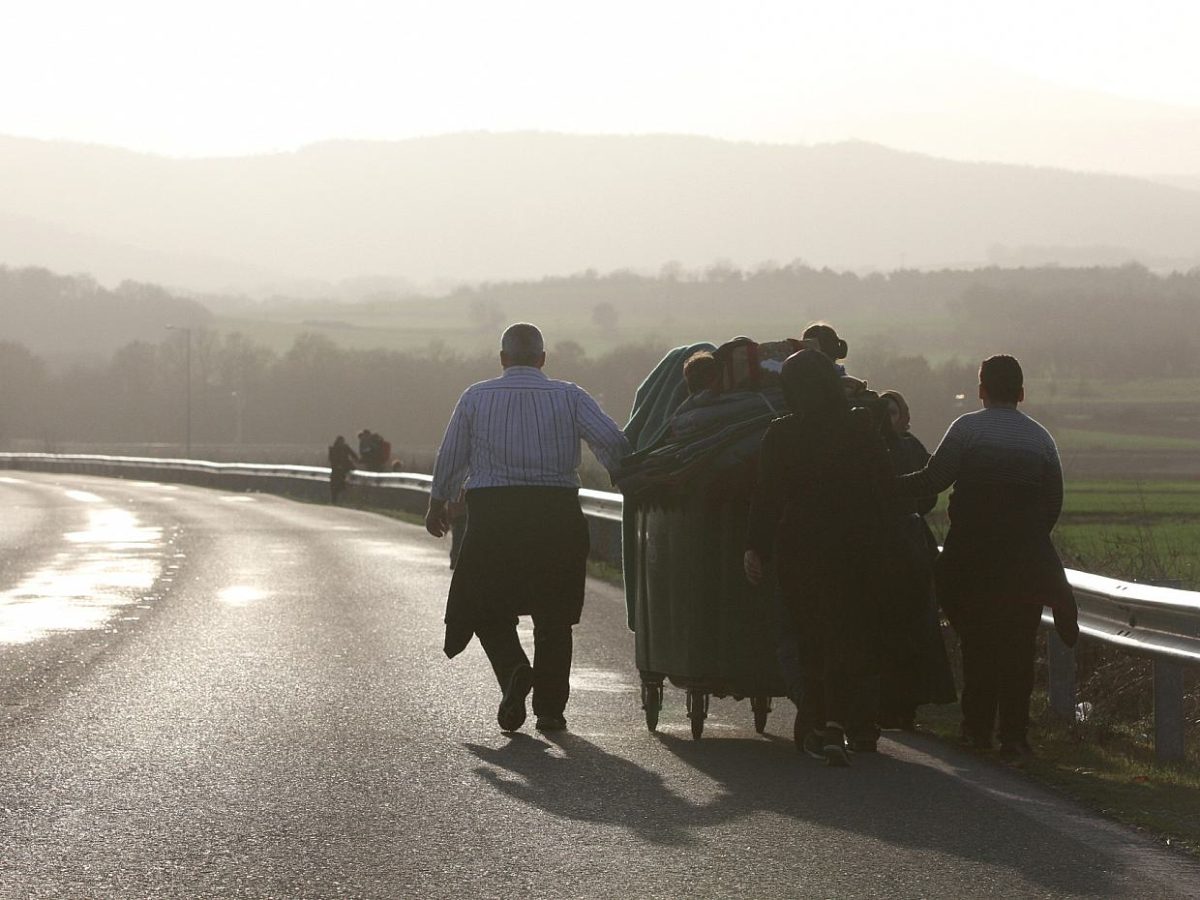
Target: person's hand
{"points": [[437, 522], [752, 564], [1066, 623]]}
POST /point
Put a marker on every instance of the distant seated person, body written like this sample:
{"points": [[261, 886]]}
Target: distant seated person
{"points": [[365, 438], [821, 336], [383, 454], [701, 372], [373, 450]]}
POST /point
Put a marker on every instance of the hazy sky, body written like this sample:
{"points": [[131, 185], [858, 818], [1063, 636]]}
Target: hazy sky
{"points": [[201, 78]]}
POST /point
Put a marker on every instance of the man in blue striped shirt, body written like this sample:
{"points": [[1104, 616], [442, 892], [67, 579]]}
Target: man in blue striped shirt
{"points": [[514, 442]]}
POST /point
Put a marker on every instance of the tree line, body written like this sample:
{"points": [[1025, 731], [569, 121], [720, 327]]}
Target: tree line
{"points": [[243, 392], [922, 333], [1122, 322]]}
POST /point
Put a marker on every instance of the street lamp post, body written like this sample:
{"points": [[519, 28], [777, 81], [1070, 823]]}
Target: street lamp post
{"points": [[187, 335], [239, 409]]}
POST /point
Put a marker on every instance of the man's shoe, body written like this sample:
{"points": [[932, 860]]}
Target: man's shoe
{"points": [[511, 714], [833, 747], [1016, 751], [551, 723]]}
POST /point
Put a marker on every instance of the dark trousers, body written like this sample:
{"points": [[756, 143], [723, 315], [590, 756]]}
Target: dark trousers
{"points": [[337, 483], [999, 641], [839, 670], [552, 645], [899, 685]]}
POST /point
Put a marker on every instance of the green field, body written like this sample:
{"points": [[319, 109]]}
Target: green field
{"points": [[1087, 393], [1132, 530], [1072, 439], [415, 325], [1145, 531]]}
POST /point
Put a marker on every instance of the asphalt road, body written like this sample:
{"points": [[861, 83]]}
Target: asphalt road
{"points": [[208, 694]]}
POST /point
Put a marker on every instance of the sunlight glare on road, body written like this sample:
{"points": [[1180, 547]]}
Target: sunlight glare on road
{"points": [[240, 595], [84, 496], [112, 563]]}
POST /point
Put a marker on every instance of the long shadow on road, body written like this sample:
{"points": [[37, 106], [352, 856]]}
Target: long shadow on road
{"points": [[893, 801], [571, 777]]}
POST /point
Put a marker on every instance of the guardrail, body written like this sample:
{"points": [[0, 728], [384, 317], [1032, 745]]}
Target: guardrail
{"points": [[1160, 623]]}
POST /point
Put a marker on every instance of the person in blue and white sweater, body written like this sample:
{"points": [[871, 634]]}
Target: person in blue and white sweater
{"points": [[998, 567]]}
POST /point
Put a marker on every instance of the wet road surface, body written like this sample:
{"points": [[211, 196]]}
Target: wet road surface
{"points": [[211, 694]]}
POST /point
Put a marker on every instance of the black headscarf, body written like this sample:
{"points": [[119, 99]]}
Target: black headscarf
{"points": [[811, 386]]}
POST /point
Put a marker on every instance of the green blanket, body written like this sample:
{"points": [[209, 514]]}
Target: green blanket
{"points": [[656, 399]]}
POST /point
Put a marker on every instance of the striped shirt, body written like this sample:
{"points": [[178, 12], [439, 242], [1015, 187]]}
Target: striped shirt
{"points": [[997, 445], [523, 429]]}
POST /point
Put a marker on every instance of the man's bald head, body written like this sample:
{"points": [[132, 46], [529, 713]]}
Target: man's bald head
{"points": [[522, 345]]}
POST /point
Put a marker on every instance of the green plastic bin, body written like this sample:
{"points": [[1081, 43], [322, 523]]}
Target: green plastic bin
{"points": [[697, 621]]}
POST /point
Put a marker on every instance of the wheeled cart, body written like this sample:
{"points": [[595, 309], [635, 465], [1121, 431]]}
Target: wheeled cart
{"points": [[698, 622]]}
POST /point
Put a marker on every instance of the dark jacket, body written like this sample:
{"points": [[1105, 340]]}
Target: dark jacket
{"points": [[908, 454], [341, 457], [820, 491], [999, 547], [824, 476], [915, 666], [820, 508]]}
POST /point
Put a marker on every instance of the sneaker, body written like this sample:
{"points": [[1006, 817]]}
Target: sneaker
{"points": [[813, 744], [551, 723], [834, 747], [511, 714], [1016, 751]]}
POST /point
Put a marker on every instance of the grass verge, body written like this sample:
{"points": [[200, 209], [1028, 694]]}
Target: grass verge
{"points": [[606, 572], [1108, 767]]}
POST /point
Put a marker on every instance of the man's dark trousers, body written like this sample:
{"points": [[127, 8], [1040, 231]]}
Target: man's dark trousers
{"points": [[999, 641], [552, 645]]}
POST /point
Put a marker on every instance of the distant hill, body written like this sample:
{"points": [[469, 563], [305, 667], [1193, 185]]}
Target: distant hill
{"points": [[71, 318], [28, 241], [1187, 182], [496, 206]]}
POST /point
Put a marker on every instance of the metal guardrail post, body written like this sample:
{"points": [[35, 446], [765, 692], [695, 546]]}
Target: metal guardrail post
{"points": [[1169, 743], [1168, 711], [1061, 661]]}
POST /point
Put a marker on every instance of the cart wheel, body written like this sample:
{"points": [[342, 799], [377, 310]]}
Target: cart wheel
{"points": [[697, 710], [761, 707], [652, 700]]}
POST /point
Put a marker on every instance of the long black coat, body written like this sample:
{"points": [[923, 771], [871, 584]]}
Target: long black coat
{"points": [[915, 667], [819, 507]]}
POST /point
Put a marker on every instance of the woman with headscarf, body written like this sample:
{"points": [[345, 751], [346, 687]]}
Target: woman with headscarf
{"points": [[819, 511], [915, 669]]}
